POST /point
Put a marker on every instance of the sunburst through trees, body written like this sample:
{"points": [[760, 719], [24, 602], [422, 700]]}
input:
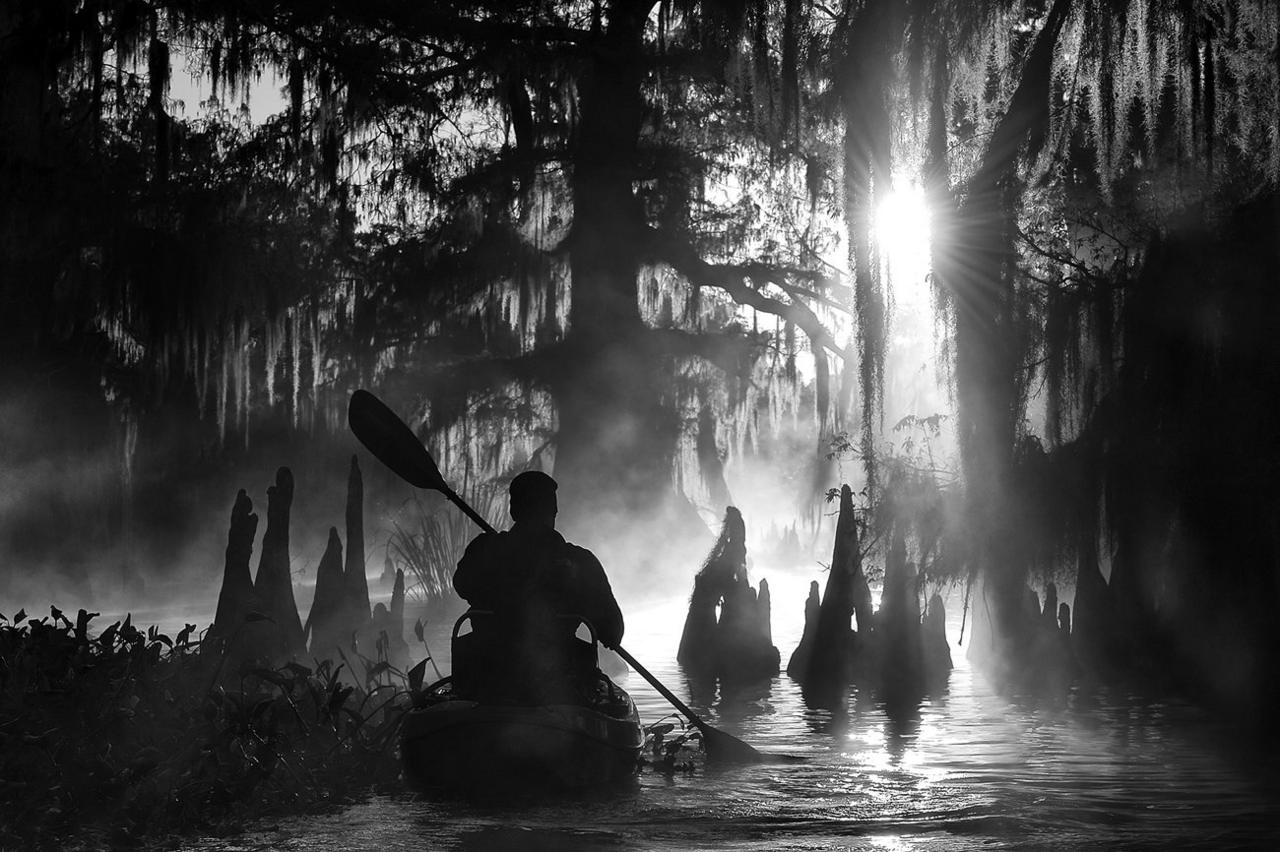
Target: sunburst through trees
{"points": [[650, 245]]}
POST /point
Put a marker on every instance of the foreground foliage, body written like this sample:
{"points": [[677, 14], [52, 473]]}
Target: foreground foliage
{"points": [[129, 733], [671, 746]]}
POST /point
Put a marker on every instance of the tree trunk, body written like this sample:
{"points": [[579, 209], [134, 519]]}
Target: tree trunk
{"points": [[987, 358], [868, 75], [617, 436], [26, 56]]}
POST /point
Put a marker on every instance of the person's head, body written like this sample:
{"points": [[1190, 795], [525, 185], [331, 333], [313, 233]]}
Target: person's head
{"points": [[533, 499]]}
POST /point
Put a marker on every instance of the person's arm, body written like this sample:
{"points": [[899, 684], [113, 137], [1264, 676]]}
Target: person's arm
{"points": [[473, 580], [611, 633], [597, 600]]}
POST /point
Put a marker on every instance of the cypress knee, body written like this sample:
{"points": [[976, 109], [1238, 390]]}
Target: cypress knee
{"points": [[326, 621], [355, 582], [798, 665], [236, 598], [833, 639], [395, 627], [274, 584]]}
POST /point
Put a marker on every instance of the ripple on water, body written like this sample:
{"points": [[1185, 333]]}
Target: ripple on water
{"points": [[968, 769]]}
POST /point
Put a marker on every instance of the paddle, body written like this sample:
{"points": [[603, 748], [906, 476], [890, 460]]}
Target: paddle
{"points": [[393, 443]]}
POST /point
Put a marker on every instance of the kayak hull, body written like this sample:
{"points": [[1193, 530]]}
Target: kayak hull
{"points": [[469, 745]]}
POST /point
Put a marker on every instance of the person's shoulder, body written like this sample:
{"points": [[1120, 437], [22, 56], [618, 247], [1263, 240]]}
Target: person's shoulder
{"points": [[483, 542], [580, 554]]}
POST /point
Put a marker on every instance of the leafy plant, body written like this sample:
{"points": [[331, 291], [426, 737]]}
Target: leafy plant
{"points": [[670, 746], [130, 733], [918, 495]]}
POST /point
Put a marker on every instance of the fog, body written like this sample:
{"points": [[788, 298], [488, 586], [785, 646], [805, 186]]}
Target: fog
{"points": [[148, 493]]}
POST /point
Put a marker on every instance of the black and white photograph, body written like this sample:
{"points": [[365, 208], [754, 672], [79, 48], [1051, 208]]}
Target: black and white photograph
{"points": [[639, 425]]}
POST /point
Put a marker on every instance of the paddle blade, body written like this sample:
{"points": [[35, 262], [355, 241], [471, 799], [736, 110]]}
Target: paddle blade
{"points": [[391, 440], [726, 748]]}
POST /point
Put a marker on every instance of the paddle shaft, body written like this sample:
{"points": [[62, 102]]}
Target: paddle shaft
{"points": [[467, 510], [662, 688]]}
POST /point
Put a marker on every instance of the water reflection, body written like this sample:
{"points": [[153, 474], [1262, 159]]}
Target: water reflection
{"points": [[701, 689], [501, 838], [900, 733], [743, 702], [959, 769]]}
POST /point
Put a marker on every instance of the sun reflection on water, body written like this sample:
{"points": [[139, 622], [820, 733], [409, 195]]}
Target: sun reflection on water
{"points": [[966, 769]]}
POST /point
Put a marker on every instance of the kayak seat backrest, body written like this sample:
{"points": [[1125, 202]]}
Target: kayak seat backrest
{"points": [[582, 654], [492, 656]]}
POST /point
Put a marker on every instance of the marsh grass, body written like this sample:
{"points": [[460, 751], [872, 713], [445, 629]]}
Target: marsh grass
{"points": [[431, 543], [130, 735]]}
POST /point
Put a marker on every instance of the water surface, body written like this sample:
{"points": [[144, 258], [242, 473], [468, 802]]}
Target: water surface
{"points": [[968, 769]]}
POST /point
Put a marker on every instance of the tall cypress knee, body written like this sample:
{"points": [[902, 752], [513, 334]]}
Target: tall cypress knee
{"points": [[397, 605], [395, 626], [273, 583], [354, 580], [798, 665], [235, 599], [326, 621], [833, 648]]}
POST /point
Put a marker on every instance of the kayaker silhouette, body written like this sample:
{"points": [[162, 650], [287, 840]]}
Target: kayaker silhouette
{"points": [[533, 582]]}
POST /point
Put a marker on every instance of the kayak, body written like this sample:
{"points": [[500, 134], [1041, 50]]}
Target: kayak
{"points": [[460, 741], [454, 742]]}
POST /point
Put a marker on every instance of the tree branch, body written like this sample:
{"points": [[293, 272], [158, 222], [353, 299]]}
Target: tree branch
{"points": [[729, 350], [734, 279]]}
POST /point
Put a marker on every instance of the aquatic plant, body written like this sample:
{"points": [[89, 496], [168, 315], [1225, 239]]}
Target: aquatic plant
{"points": [[668, 754], [129, 733], [430, 545]]}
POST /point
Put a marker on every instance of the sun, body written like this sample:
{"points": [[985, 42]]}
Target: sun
{"points": [[902, 235]]}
